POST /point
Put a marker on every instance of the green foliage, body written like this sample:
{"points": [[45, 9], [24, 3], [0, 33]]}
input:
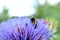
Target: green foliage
{"points": [[47, 11], [4, 15]]}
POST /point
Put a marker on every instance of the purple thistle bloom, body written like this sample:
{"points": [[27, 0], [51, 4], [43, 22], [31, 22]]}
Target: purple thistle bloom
{"points": [[23, 29]]}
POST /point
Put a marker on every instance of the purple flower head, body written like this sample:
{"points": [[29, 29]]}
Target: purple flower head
{"points": [[23, 29]]}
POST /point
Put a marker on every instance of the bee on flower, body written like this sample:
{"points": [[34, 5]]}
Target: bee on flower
{"points": [[24, 28]]}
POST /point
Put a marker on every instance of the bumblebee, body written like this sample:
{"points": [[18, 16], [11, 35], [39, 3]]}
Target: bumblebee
{"points": [[34, 21]]}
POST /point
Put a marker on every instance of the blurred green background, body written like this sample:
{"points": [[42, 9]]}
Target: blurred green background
{"points": [[46, 11]]}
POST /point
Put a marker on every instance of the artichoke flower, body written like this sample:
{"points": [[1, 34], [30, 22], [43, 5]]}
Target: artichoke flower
{"points": [[24, 28]]}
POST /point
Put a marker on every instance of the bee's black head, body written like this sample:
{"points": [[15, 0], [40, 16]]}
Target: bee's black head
{"points": [[32, 20]]}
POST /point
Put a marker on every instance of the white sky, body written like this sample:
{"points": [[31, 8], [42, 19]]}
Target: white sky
{"points": [[22, 7]]}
